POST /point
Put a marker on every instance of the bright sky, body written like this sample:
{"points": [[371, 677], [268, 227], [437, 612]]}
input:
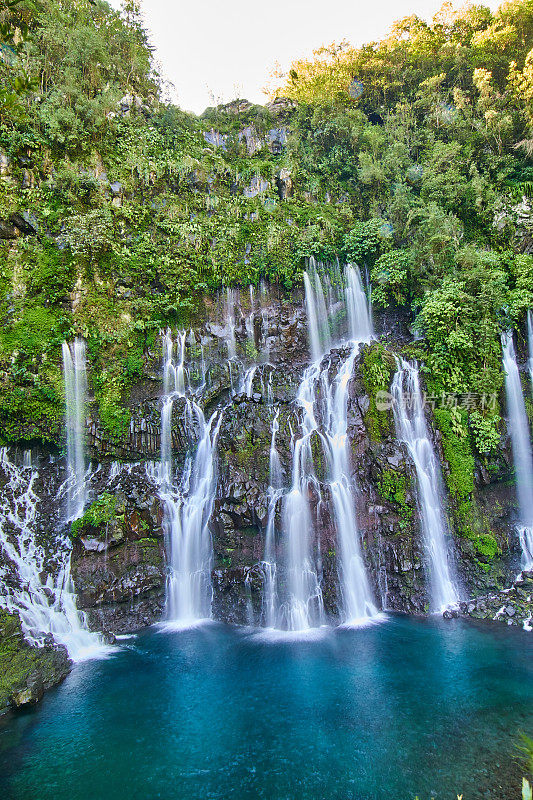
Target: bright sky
{"points": [[216, 50]]}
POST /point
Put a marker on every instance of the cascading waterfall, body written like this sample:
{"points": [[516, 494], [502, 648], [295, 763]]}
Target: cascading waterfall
{"points": [[275, 491], [530, 344], [174, 375], [358, 307], [46, 604], [188, 507], [247, 382], [303, 608], [519, 430], [357, 600], [317, 315], [411, 428], [188, 510], [358, 603], [230, 323], [75, 376]]}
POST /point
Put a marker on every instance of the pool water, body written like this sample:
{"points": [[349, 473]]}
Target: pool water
{"points": [[404, 708]]}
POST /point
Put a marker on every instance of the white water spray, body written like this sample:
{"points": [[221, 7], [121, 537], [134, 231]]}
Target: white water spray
{"points": [[188, 509], [275, 491], [188, 506], [523, 461], [46, 603], [304, 606], [317, 315], [357, 307], [174, 374], [411, 428], [230, 323], [75, 376]]}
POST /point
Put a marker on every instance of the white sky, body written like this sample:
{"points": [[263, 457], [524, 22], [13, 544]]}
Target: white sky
{"points": [[227, 48]]}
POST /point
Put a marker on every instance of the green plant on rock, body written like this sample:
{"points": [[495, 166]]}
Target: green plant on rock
{"points": [[391, 278], [376, 370], [393, 487], [99, 513]]}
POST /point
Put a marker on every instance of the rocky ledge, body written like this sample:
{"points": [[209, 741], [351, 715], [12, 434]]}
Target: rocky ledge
{"points": [[26, 672], [513, 606]]}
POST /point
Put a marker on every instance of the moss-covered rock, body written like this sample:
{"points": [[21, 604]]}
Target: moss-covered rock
{"points": [[27, 671]]}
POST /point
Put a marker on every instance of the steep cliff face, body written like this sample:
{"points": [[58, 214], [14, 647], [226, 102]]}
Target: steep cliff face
{"points": [[119, 564], [120, 547]]}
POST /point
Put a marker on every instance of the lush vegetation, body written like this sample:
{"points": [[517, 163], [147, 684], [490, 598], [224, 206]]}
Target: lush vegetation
{"points": [[410, 156]]}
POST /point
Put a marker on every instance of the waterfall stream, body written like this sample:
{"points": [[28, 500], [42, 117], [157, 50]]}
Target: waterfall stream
{"points": [[45, 602], [304, 607], [357, 601], [411, 428], [323, 402], [188, 502], [275, 492], [188, 508], [75, 377], [521, 445]]}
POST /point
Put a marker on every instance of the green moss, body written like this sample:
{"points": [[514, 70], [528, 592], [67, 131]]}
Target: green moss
{"points": [[19, 661], [376, 370], [472, 525], [393, 487], [457, 448], [252, 454], [99, 513]]}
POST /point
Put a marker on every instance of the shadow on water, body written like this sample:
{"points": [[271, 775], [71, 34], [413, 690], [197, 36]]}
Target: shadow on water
{"points": [[390, 711]]}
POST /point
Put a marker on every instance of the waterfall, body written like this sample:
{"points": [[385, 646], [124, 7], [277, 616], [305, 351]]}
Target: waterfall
{"points": [[174, 375], [328, 407], [275, 491], [75, 376], [166, 440], [357, 600], [304, 607], [230, 323], [46, 604], [317, 315], [530, 343], [412, 430], [357, 307], [188, 504], [246, 385], [188, 508], [519, 430]]}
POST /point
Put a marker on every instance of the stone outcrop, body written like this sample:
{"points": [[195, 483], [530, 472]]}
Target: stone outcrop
{"points": [[118, 564], [512, 606], [27, 671]]}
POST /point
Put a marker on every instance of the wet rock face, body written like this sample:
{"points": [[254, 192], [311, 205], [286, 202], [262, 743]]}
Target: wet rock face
{"points": [[118, 563], [387, 526]]}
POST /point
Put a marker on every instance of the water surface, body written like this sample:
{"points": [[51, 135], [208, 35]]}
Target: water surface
{"points": [[403, 708]]}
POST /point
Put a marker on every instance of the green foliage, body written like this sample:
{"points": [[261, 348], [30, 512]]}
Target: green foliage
{"points": [[393, 487], [376, 370], [486, 432], [365, 240], [457, 452], [391, 278], [99, 513]]}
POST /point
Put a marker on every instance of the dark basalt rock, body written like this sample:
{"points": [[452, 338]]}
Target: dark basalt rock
{"points": [[119, 567]]}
